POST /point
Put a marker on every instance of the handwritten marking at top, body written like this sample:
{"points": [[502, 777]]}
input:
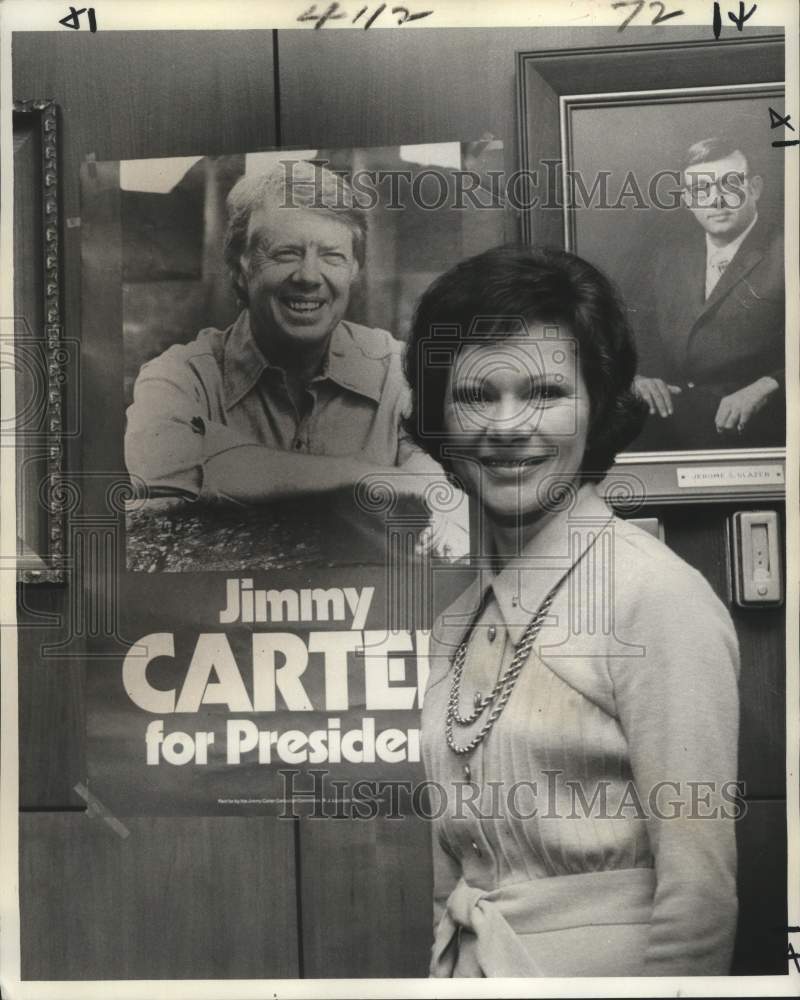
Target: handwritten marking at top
{"points": [[660, 16], [72, 20], [335, 13], [738, 19], [330, 14], [374, 17], [791, 954], [408, 16], [777, 121]]}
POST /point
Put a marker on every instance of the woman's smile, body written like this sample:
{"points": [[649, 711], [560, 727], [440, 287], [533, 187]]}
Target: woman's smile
{"points": [[514, 465], [518, 412]]}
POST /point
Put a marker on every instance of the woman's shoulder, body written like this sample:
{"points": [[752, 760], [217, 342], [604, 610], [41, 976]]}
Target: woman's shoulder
{"points": [[658, 594], [645, 564]]}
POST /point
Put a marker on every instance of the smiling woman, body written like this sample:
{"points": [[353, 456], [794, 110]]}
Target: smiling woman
{"points": [[525, 307], [585, 670], [521, 411]]}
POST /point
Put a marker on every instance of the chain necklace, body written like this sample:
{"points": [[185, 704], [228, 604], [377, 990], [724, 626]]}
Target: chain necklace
{"points": [[504, 684]]}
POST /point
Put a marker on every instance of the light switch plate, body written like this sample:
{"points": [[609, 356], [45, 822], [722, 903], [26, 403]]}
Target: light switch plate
{"points": [[755, 550]]}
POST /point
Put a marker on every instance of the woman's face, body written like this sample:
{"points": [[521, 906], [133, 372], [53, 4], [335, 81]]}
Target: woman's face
{"points": [[517, 412]]}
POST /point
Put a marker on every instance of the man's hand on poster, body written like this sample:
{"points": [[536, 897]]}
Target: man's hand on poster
{"points": [[447, 532], [656, 393], [736, 409], [446, 536]]}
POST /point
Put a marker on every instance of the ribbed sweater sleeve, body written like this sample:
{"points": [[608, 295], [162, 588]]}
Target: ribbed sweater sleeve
{"points": [[678, 707]]}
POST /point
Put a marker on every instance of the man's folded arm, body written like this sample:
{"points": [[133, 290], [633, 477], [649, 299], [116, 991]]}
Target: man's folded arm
{"points": [[164, 440], [172, 445], [252, 473]]}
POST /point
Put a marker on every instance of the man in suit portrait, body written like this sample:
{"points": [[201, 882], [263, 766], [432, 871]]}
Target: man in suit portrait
{"points": [[709, 313]]}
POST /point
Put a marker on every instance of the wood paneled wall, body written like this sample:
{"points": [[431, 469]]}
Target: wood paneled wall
{"points": [[121, 95], [259, 897], [159, 898]]}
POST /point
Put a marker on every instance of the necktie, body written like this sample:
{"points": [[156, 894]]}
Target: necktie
{"points": [[716, 272]]}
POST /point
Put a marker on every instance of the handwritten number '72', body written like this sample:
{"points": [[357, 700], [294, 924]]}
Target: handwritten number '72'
{"points": [[662, 14]]}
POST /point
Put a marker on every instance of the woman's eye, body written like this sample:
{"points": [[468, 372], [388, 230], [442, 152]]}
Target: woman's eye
{"points": [[470, 395], [537, 394], [545, 392]]}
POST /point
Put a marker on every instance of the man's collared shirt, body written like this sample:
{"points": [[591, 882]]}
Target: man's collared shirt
{"points": [[219, 393], [719, 258]]}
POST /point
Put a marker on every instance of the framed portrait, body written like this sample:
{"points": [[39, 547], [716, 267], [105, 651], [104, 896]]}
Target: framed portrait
{"points": [[41, 357], [674, 190]]}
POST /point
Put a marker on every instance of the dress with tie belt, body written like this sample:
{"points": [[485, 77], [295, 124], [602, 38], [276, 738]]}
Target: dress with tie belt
{"points": [[591, 832]]}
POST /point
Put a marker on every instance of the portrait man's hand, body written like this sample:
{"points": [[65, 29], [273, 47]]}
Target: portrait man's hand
{"points": [[736, 409], [656, 393]]}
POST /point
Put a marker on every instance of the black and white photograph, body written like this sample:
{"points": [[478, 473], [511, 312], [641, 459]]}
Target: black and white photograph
{"points": [[696, 190], [233, 265], [400, 520]]}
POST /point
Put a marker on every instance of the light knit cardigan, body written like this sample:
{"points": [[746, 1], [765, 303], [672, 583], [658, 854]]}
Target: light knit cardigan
{"points": [[631, 684]]}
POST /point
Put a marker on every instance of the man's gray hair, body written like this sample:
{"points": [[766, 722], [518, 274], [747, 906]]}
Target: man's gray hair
{"points": [[290, 184]]}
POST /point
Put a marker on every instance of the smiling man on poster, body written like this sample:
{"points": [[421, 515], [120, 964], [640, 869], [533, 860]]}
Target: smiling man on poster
{"points": [[711, 364], [292, 400]]}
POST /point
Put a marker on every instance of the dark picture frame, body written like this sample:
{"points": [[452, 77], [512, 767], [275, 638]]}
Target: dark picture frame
{"points": [[550, 86], [41, 357]]}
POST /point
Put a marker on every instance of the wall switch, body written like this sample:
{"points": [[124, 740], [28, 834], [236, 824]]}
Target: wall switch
{"points": [[756, 558]]}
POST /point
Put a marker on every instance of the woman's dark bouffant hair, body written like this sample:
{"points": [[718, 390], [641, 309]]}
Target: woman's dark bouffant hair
{"points": [[538, 284]]}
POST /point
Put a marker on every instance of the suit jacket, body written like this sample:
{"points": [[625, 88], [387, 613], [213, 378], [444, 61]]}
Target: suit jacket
{"points": [[727, 341]]}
